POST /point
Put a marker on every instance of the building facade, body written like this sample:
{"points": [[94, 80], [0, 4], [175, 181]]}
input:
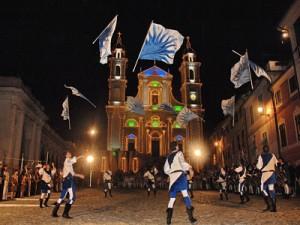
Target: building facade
{"points": [[268, 114], [24, 132], [133, 140]]}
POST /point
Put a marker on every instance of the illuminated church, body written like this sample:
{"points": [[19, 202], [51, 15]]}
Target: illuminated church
{"points": [[135, 140]]}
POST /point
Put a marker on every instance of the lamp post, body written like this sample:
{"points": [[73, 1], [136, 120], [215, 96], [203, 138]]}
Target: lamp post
{"points": [[198, 154], [90, 160]]}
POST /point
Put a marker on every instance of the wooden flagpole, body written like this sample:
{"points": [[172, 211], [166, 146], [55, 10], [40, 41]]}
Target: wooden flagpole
{"points": [[142, 47]]}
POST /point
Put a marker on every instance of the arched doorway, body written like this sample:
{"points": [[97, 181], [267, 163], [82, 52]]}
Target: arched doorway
{"points": [[155, 144]]}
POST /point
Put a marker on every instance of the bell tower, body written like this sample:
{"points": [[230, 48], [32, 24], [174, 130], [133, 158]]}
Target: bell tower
{"points": [[191, 94], [115, 108]]}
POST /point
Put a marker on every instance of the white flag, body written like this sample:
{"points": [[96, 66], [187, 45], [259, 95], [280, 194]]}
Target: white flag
{"points": [[105, 40], [240, 72], [185, 116], [259, 71], [77, 93], [227, 106], [65, 113]]}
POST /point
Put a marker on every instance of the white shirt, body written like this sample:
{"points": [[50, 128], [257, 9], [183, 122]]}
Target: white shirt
{"points": [[107, 175], [177, 167], [46, 176], [68, 166]]}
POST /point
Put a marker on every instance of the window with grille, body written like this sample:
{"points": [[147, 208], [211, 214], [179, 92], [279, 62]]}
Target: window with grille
{"points": [[282, 132]]}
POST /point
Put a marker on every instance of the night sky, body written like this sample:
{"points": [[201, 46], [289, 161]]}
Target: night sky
{"points": [[49, 43]]}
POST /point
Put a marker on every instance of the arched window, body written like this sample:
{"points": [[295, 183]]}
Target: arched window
{"points": [[135, 165], [131, 123], [118, 72], [155, 97], [131, 142], [191, 75]]}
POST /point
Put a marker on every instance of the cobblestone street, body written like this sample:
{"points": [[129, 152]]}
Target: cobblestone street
{"points": [[133, 207]]}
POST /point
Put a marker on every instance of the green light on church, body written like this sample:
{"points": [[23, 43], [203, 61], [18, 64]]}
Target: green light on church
{"points": [[131, 123], [177, 108], [176, 125], [155, 123], [155, 107], [155, 84]]}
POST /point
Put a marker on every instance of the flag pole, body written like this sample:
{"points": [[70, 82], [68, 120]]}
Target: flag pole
{"points": [[142, 47], [233, 111], [69, 113], [104, 29], [249, 70]]}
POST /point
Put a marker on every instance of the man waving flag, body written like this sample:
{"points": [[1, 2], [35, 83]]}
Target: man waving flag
{"points": [[105, 40], [77, 93], [160, 44]]}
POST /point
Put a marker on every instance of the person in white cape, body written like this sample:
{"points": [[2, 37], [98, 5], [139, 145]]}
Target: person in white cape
{"points": [[175, 167]]}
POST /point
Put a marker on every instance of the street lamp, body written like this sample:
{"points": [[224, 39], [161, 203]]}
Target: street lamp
{"points": [[90, 160], [197, 152], [92, 132]]}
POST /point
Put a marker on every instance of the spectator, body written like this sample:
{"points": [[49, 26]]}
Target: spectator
{"points": [[14, 183], [23, 184], [1, 179], [5, 182]]}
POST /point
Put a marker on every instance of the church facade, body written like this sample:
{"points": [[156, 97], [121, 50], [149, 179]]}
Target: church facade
{"points": [[135, 141]]}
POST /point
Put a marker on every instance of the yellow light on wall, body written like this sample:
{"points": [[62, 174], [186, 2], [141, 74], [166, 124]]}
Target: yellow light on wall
{"points": [[260, 109]]}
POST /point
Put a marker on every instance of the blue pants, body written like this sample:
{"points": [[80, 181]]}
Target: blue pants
{"points": [[268, 187], [180, 185], [69, 186]]}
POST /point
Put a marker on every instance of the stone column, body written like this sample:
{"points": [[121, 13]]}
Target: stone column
{"points": [[12, 135], [18, 136], [37, 152], [32, 144]]}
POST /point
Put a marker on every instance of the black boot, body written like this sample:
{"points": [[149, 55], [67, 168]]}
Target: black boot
{"points": [[273, 205], [55, 209], [226, 195], [247, 198], [105, 193], [110, 193], [242, 199], [169, 215], [46, 201], [66, 211], [266, 199], [221, 196], [154, 192], [190, 214], [41, 203], [192, 194], [148, 193]]}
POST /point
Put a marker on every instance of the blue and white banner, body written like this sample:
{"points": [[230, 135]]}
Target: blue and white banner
{"points": [[259, 71], [161, 44], [105, 40], [167, 107], [185, 116], [240, 72], [135, 105]]}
